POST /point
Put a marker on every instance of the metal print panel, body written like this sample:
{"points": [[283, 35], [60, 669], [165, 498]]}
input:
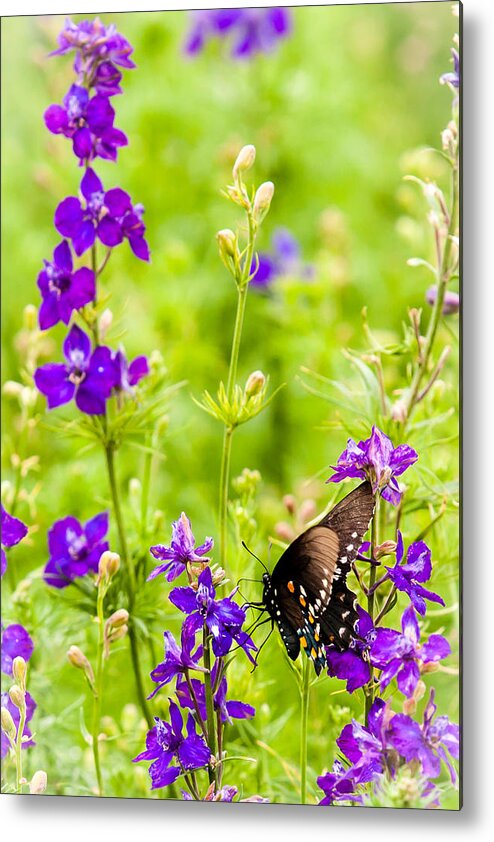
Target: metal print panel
{"points": [[230, 503]]}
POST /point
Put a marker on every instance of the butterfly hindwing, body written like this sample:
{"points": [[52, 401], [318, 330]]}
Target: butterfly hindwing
{"points": [[307, 595]]}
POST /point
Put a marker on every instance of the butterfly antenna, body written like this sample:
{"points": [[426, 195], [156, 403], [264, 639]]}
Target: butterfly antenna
{"points": [[254, 556]]}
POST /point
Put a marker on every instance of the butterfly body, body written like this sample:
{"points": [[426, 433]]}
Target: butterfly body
{"points": [[306, 595]]}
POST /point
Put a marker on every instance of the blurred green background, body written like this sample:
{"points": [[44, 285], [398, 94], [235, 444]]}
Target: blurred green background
{"points": [[336, 113]]}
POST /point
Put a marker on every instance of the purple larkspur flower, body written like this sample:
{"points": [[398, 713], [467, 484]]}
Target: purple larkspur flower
{"points": [[223, 618], [436, 740], [408, 577], [353, 665], [182, 551], [398, 654], [378, 461], [284, 259], [451, 301], [16, 641], [16, 716], [228, 709], [367, 750], [453, 77], [166, 742], [75, 549], [62, 289], [338, 785], [94, 44], [109, 216], [88, 122], [251, 31], [178, 660], [128, 375], [87, 377], [13, 531]]}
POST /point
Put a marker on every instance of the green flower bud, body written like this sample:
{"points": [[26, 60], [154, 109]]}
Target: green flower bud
{"points": [[17, 696], [118, 618], [38, 783], [255, 384], [8, 725], [105, 323], [109, 564], [78, 659], [262, 200], [227, 245], [30, 317], [12, 389], [19, 670], [245, 160]]}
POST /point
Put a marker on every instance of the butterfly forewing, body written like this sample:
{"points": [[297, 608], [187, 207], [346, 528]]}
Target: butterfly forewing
{"points": [[307, 595]]}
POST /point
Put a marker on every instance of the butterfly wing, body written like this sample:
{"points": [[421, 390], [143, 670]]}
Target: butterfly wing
{"points": [[309, 580]]}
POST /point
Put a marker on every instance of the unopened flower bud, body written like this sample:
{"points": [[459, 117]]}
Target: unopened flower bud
{"points": [[17, 696], [255, 384], [245, 160], [307, 510], [451, 301], [105, 322], [262, 200], [30, 317], [78, 659], [135, 489], [12, 389], [386, 548], [38, 783], [227, 245], [8, 724], [399, 412], [290, 503], [118, 618], [284, 531], [108, 565], [19, 671], [218, 575]]}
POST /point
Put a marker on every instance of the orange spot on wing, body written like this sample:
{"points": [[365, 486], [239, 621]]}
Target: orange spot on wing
{"points": [[302, 602], [291, 587], [303, 642]]}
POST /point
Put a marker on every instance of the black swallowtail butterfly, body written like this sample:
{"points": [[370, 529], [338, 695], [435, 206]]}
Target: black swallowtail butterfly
{"points": [[306, 595]]}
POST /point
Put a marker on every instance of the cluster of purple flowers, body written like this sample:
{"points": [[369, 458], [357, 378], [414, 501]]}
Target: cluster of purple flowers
{"points": [[88, 120], [109, 217], [249, 31], [16, 642], [283, 260], [388, 742], [172, 750]]}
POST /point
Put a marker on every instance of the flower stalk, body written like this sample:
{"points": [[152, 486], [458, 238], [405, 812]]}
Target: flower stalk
{"points": [[131, 581]]}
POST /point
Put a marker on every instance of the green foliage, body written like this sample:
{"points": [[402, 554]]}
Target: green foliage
{"points": [[336, 115]]}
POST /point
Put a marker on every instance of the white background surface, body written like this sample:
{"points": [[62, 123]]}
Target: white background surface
{"points": [[82, 819]]}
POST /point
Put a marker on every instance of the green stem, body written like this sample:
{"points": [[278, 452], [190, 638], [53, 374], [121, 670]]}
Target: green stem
{"points": [[304, 716], [224, 485], [98, 690], [18, 746], [242, 286], [129, 568], [443, 275], [209, 703]]}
